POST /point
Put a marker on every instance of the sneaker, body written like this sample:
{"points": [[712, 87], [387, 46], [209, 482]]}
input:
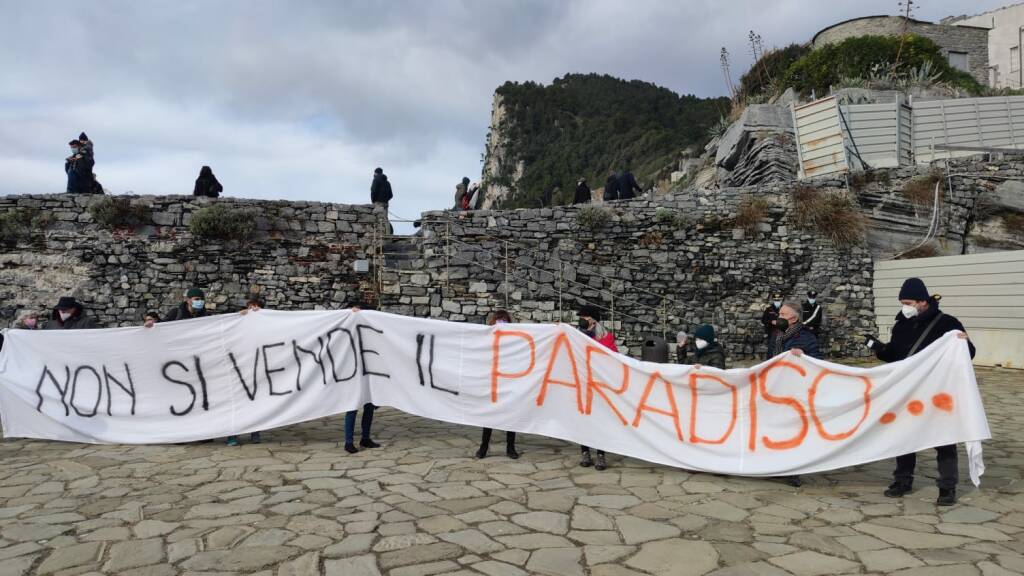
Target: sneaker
{"points": [[947, 497], [601, 464], [482, 452], [897, 490], [511, 453], [586, 462], [351, 448], [367, 443], [232, 441], [255, 438]]}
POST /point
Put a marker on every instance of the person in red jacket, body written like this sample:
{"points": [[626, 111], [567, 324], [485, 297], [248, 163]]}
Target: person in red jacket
{"points": [[590, 324]]}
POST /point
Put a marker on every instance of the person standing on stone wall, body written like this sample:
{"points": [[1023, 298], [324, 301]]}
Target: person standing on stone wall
{"points": [[69, 314], [769, 319], [611, 188], [582, 195], [590, 324], [78, 167], [469, 203], [350, 417], [380, 189], [812, 313], [461, 189], [497, 318], [207, 184], [194, 306], [627, 184], [919, 323]]}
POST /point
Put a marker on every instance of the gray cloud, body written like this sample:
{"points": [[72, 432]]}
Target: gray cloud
{"points": [[302, 100]]}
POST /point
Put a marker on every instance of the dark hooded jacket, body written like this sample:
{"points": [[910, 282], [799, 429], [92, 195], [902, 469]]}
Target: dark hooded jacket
{"points": [[184, 311], [78, 320], [207, 184], [582, 195], [712, 355], [627, 184], [79, 171], [380, 189], [611, 188], [906, 331]]}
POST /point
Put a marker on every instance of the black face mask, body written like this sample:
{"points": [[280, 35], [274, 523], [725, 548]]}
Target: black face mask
{"points": [[583, 325], [782, 323]]}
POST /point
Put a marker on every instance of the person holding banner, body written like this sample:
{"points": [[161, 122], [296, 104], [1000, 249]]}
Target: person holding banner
{"points": [[350, 417], [793, 335], [254, 304], [919, 323], [498, 317], [590, 324], [194, 306], [708, 351], [68, 314]]}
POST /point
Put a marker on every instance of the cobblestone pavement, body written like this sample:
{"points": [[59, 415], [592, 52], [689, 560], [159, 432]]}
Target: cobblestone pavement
{"points": [[297, 504]]}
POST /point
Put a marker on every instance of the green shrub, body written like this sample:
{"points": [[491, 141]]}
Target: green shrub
{"points": [[220, 222], [765, 76], [593, 218], [20, 224], [662, 215], [118, 212], [832, 215], [861, 57]]}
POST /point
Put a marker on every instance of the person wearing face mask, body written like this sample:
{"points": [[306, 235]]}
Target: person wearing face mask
{"points": [[812, 313], [28, 321], [194, 306], [708, 352], [590, 324], [769, 319], [497, 318], [792, 335], [78, 167], [68, 314], [918, 324]]}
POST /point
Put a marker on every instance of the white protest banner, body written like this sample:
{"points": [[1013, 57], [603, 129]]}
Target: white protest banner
{"points": [[232, 374]]}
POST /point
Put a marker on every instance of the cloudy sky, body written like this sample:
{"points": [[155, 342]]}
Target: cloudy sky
{"points": [[301, 100]]}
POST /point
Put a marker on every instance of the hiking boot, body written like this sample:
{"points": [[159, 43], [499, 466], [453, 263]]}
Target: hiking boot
{"points": [[351, 448], [367, 443], [255, 438], [232, 441], [601, 464], [947, 497], [482, 452], [586, 462], [897, 490], [511, 453]]}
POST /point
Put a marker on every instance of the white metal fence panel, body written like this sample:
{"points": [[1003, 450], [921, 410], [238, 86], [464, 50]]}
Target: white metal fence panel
{"points": [[994, 122], [819, 137], [984, 291], [877, 135]]}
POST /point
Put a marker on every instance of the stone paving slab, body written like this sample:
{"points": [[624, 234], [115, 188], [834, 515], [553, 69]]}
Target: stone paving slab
{"points": [[298, 505]]}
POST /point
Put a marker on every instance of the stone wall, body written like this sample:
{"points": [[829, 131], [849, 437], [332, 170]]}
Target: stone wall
{"points": [[969, 39], [655, 267], [300, 257]]}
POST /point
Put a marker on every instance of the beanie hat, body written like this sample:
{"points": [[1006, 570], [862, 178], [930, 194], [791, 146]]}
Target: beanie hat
{"points": [[706, 333], [82, 136], [194, 293], [378, 170], [591, 310], [914, 289]]}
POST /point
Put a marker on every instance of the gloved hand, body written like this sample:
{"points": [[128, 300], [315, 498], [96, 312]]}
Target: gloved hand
{"points": [[871, 342]]}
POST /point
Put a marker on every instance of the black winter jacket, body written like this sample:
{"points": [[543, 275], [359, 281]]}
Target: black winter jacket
{"points": [[812, 315], [802, 339], [79, 320], [380, 189], [627, 184], [906, 331], [582, 194], [611, 189], [712, 355], [209, 187]]}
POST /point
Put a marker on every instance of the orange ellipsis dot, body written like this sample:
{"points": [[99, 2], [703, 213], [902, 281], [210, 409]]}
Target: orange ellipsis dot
{"points": [[915, 407], [943, 401], [887, 418]]}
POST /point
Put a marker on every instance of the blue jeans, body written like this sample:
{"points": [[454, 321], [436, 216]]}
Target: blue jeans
{"points": [[350, 423]]}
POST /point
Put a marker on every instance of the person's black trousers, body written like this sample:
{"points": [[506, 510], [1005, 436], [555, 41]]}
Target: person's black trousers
{"points": [[946, 458]]}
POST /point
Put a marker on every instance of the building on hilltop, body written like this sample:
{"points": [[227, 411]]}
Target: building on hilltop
{"points": [[965, 44], [1005, 39]]}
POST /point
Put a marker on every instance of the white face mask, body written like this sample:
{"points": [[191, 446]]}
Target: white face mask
{"points": [[700, 344], [908, 311], [811, 300], [64, 315], [778, 303]]}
